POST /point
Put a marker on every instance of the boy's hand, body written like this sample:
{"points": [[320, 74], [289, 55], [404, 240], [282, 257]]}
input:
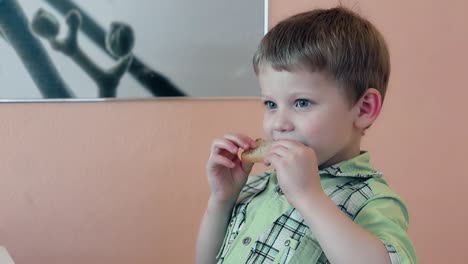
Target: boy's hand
{"points": [[297, 170], [227, 174]]}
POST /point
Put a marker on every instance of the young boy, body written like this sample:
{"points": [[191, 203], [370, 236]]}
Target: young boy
{"points": [[323, 76]]}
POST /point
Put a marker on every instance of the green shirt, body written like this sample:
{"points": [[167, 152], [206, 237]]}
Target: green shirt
{"points": [[265, 228]]}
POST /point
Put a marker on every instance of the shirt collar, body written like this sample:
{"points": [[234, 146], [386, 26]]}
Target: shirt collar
{"points": [[357, 167]]}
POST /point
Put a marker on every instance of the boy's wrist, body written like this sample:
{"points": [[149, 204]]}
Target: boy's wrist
{"points": [[217, 204], [312, 200]]}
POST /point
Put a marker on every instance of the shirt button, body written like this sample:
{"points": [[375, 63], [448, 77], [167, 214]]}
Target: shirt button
{"points": [[246, 241], [287, 242]]}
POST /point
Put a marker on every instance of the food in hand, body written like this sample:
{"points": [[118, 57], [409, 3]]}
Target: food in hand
{"points": [[258, 153]]}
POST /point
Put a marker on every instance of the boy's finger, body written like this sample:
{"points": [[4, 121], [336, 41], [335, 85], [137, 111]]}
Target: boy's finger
{"points": [[242, 141], [271, 159], [219, 144], [246, 166], [287, 143], [220, 160], [266, 161], [279, 150]]}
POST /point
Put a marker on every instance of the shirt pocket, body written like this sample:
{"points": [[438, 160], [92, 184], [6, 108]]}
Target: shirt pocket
{"points": [[308, 252], [286, 251]]}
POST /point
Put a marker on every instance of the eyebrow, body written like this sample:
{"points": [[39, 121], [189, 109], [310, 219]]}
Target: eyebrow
{"points": [[300, 93], [292, 94]]}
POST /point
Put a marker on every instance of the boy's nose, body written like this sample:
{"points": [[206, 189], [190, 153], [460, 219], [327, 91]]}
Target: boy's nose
{"points": [[282, 123]]}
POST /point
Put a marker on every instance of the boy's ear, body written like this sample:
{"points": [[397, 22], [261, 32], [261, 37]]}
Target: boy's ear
{"points": [[367, 109]]}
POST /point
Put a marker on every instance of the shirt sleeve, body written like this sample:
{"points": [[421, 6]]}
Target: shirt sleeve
{"points": [[387, 218]]}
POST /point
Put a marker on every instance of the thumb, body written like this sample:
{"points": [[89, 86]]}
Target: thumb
{"points": [[247, 166]]}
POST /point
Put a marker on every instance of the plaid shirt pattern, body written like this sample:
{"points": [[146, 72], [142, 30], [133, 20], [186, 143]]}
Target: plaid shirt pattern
{"points": [[279, 242]]}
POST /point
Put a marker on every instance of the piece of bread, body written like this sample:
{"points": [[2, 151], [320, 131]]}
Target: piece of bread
{"points": [[257, 154]]}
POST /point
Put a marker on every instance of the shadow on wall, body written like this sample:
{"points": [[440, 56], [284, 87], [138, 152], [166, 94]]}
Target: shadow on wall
{"points": [[117, 43]]}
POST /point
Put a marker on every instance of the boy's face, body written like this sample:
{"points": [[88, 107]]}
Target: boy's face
{"points": [[309, 107]]}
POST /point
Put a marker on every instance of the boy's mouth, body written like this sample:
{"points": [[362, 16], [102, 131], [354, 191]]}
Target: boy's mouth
{"points": [[290, 138], [282, 137]]}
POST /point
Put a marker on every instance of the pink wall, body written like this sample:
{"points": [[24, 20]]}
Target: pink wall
{"points": [[124, 182]]}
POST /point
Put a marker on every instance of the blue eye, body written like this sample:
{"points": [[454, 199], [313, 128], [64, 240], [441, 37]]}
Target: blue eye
{"points": [[301, 103], [269, 105]]}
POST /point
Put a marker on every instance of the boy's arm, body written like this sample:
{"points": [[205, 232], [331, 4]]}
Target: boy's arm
{"points": [[227, 175], [387, 218], [212, 231], [342, 240]]}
